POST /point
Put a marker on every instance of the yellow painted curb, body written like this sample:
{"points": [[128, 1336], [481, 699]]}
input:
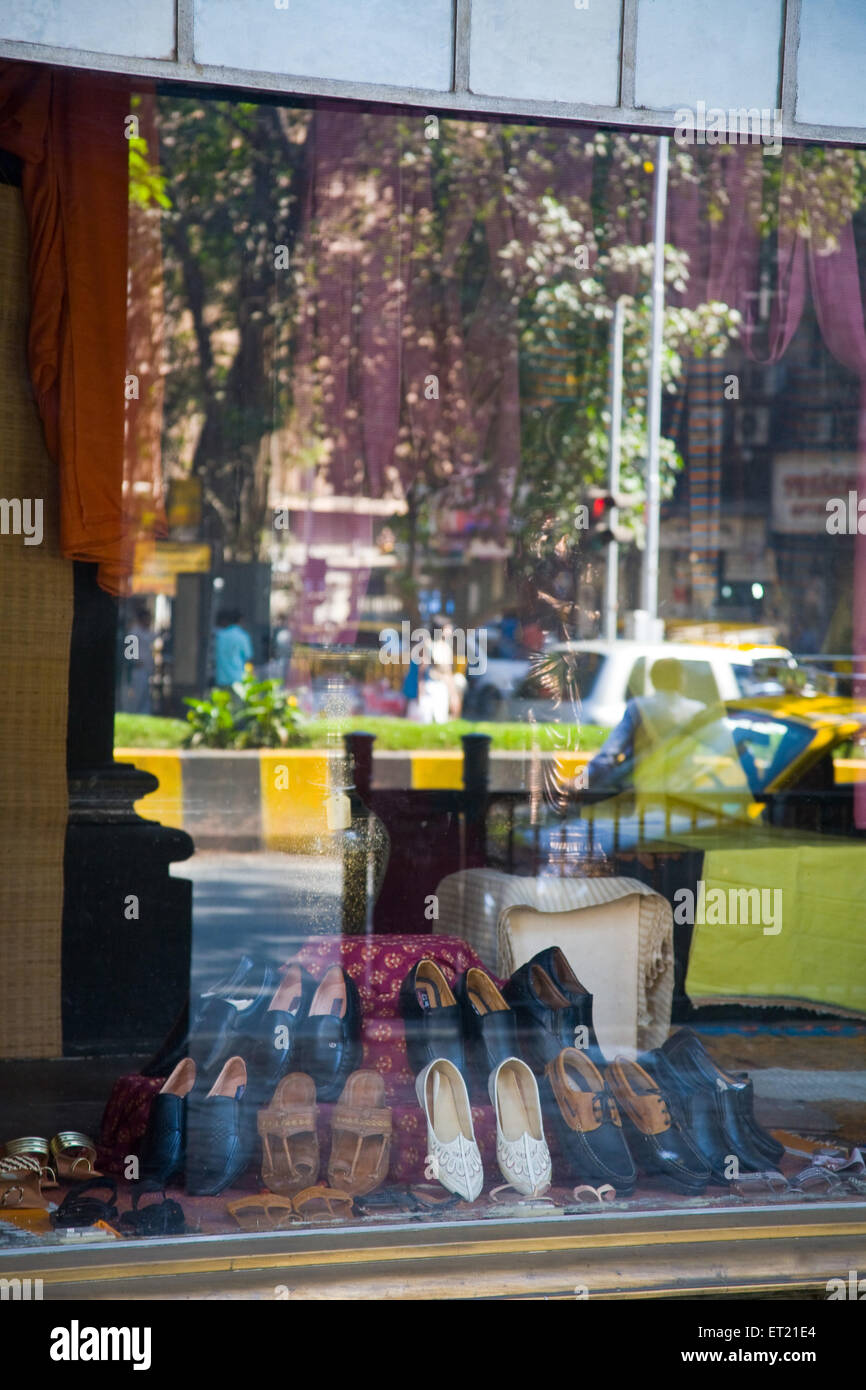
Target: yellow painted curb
{"points": [[165, 805], [437, 771], [293, 789], [568, 765]]}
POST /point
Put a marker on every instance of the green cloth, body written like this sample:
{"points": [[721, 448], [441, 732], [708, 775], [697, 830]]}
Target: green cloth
{"points": [[817, 959]]}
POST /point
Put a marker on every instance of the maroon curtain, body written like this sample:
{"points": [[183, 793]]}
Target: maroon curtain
{"points": [[835, 279], [406, 383]]}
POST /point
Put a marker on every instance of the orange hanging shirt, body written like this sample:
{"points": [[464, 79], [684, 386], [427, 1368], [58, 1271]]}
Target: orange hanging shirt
{"points": [[68, 128]]}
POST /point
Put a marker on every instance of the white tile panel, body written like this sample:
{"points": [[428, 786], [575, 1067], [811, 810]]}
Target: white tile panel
{"points": [[131, 28], [405, 43], [546, 50], [722, 52], [831, 63]]}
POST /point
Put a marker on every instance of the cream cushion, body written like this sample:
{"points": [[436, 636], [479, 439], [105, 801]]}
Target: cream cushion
{"points": [[473, 902], [624, 962]]}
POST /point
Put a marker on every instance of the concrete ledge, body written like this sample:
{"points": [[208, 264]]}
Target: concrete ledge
{"points": [[274, 798]]}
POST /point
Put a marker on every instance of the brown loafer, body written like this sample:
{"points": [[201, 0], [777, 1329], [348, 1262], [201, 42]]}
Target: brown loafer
{"points": [[588, 1121], [660, 1146]]}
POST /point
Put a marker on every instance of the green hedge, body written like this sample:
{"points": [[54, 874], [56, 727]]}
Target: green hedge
{"points": [[149, 731]]}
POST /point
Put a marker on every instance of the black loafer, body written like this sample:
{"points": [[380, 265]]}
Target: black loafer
{"points": [[431, 1018], [658, 1143], [328, 1041], [742, 1101], [163, 1151], [697, 1110], [231, 1011], [269, 1042], [547, 1020], [689, 1059], [555, 962], [489, 1026], [220, 1132], [588, 1124]]}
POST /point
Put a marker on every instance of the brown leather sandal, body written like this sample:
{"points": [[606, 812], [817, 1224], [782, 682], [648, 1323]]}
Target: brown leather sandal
{"points": [[360, 1135], [21, 1183], [73, 1156], [256, 1213], [321, 1203], [31, 1146], [290, 1142]]}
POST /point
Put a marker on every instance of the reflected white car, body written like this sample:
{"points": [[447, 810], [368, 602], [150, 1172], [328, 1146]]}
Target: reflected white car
{"points": [[589, 682]]}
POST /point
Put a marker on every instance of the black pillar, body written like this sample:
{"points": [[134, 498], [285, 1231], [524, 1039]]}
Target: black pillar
{"points": [[127, 924], [476, 789]]}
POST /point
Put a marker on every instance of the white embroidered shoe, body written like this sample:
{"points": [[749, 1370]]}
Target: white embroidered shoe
{"points": [[521, 1149], [452, 1153]]}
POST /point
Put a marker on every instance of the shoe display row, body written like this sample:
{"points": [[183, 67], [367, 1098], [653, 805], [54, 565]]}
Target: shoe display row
{"points": [[210, 1138], [542, 1009], [285, 1021], [290, 1041], [673, 1115], [287, 1044]]}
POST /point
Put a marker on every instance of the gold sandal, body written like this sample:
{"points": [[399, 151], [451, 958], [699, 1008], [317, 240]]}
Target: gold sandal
{"points": [[360, 1135], [21, 1183], [290, 1141], [254, 1213], [31, 1146], [73, 1156]]}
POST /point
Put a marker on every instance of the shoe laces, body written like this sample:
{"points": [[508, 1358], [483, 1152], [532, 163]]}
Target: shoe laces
{"points": [[604, 1107]]}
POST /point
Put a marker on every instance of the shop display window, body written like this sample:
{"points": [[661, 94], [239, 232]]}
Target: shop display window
{"points": [[419, 870]]}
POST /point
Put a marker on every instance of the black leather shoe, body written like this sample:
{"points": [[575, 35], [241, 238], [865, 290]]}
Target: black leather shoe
{"points": [[575, 1094], [686, 1055], [697, 1111], [555, 962], [220, 1132], [742, 1100], [658, 1144], [163, 1151], [547, 1020], [431, 1018], [328, 1041], [268, 1045], [489, 1026], [231, 1010]]}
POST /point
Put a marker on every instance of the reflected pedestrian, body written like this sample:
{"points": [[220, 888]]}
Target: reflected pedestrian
{"points": [[141, 666], [648, 721], [233, 648]]}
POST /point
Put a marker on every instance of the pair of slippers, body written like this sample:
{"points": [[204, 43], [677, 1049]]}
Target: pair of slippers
{"points": [[81, 1208], [360, 1136], [267, 1211]]}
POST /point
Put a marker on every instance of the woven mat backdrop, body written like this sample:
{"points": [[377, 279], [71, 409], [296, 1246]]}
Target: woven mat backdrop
{"points": [[35, 622]]}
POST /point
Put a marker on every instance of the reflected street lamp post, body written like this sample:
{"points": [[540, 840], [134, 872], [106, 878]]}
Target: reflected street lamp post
{"points": [[650, 586], [611, 590]]}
